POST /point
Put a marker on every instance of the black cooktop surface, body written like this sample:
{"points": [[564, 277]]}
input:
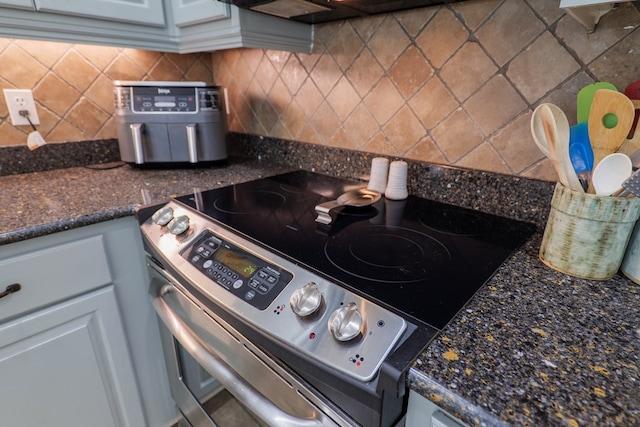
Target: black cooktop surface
{"points": [[423, 258]]}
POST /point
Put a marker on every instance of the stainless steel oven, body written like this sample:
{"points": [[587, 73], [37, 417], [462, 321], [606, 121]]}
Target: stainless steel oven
{"points": [[297, 323], [211, 365]]}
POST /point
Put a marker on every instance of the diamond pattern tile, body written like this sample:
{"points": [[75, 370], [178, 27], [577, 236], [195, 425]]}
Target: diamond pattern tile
{"points": [[73, 84]]}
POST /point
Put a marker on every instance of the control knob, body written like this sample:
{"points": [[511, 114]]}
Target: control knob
{"points": [[346, 322], [163, 216], [179, 225], [306, 300]]}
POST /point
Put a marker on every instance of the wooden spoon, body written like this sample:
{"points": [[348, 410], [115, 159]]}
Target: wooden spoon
{"points": [[556, 132], [605, 132]]}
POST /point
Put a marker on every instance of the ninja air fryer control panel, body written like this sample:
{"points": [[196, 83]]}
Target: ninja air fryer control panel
{"points": [[239, 272]]}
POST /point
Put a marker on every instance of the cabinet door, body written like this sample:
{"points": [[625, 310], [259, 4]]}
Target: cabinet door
{"points": [[190, 12], [139, 11], [22, 4], [68, 365]]}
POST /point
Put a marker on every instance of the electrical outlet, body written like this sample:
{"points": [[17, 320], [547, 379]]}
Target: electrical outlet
{"points": [[21, 99]]}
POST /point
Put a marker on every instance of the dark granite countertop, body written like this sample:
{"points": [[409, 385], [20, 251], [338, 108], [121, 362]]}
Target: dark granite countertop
{"points": [[533, 347], [40, 203]]}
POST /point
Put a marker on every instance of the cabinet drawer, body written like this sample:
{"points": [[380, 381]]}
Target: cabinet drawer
{"points": [[53, 274]]}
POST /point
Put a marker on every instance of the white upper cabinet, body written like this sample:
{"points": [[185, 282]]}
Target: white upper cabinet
{"points": [[141, 11], [191, 12], [22, 4], [181, 26]]}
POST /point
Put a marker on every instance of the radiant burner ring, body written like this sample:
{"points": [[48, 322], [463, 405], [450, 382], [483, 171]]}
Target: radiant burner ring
{"points": [[386, 254], [251, 202]]}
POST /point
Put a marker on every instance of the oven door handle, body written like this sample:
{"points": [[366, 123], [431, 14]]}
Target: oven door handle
{"points": [[209, 360]]}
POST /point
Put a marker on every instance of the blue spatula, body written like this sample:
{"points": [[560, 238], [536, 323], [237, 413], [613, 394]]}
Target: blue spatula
{"points": [[580, 152]]}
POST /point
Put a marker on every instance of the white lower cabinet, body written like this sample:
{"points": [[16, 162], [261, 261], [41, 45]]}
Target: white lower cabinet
{"points": [[79, 342], [68, 365], [421, 412]]}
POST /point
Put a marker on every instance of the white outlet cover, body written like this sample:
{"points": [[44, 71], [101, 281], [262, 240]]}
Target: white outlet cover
{"points": [[12, 96]]}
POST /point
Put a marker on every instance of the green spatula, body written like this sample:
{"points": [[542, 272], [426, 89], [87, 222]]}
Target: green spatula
{"points": [[585, 98]]}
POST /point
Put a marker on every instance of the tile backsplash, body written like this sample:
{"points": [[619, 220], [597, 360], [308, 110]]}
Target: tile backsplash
{"points": [[454, 84], [73, 84]]}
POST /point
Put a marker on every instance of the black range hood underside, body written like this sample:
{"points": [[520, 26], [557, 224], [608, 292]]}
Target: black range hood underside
{"points": [[318, 11]]}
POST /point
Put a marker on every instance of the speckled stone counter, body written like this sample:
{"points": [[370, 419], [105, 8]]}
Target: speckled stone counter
{"points": [[533, 347], [41, 203]]}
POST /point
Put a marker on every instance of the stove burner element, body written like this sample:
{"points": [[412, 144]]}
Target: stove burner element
{"points": [[249, 202], [456, 222], [386, 254]]}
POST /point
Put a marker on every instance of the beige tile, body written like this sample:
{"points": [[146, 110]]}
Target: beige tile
{"points": [[484, 157], [456, 135], [252, 58], [268, 115], [474, 13], [309, 60], [380, 145], [294, 74], [325, 123], [361, 125], [294, 119], [107, 131], [309, 98], [279, 59], [341, 140], [367, 27], [621, 65], [326, 74], [404, 130], [345, 46], [231, 57], [516, 146], [100, 56], [308, 134], [433, 103], [541, 67], [165, 70], [123, 68], [388, 42], [199, 71], [365, 72], [55, 94], [280, 130], [494, 105], [427, 151], [181, 61], [410, 72], [47, 53], [20, 69], [442, 37], [414, 20], [343, 98], [612, 27], [384, 101], [11, 136], [87, 117], [279, 96], [65, 131], [469, 69], [142, 58], [267, 75], [565, 96], [76, 70], [509, 30], [324, 33], [542, 170]]}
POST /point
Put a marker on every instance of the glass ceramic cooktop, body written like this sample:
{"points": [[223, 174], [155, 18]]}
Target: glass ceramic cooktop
{"points": [[422, 258]]}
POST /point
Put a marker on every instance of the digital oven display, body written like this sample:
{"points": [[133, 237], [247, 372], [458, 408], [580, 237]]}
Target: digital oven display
{"points": [[236, 262], [240, 272]]}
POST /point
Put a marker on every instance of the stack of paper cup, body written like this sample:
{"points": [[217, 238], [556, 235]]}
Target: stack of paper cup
{"points": [[397, 182], [379, 172]]}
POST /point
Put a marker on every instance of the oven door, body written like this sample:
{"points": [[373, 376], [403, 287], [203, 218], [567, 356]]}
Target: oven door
{"points": [[218, 378]]}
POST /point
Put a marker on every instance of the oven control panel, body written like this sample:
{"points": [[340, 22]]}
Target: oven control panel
{"points": [[284, 301], [236, 270]]}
